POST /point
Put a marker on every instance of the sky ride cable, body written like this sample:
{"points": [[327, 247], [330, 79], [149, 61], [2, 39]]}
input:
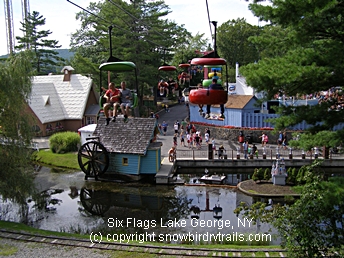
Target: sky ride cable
{"points": [[85, 10], [211, 32], [113, 25], [135, 18]]}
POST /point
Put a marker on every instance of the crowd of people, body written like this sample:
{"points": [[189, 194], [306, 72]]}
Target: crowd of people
{"points": [[187, 135]]}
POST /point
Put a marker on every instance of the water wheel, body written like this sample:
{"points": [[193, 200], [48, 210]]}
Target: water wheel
{"points": [[93, 159], [95, 202]]}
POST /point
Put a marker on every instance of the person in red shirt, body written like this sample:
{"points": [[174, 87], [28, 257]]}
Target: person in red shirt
{"points": [[112, 96]]}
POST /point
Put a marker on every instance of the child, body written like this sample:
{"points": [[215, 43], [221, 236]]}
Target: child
{"points": [[171, 154], [175, 140]]}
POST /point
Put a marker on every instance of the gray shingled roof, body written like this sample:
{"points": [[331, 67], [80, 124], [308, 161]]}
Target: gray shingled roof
{"points": [[53, 99], [132, 137]]}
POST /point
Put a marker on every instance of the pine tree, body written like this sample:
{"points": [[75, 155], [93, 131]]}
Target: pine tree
{"points": [[45, 58]]}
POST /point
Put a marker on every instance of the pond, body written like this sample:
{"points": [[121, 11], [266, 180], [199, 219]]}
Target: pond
{"points": [[172, 214]]}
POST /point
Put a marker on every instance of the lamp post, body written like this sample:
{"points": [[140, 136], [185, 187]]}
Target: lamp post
{"points": [[316, 152], [277, 153], [290, 153]]}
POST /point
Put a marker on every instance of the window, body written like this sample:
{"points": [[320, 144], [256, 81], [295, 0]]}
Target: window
{"points": [[125, 161]]}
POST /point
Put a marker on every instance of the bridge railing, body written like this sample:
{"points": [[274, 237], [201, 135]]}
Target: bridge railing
{"points": [[269, 153]]}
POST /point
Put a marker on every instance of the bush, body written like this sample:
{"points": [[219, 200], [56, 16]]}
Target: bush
{"points": [[267, 174], [64, 142], [258, 174], [292, 174]]}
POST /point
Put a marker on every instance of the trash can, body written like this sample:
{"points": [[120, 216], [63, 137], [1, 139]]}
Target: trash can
{"points": [[210, 151]]}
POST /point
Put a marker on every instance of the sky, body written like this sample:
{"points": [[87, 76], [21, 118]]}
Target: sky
{"points": [[60, 16]]}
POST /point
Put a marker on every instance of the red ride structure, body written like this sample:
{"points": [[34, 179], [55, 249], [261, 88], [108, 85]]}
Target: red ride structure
{"points": [[208, 96]]}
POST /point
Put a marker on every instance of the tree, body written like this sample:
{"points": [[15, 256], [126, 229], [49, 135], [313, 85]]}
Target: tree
{"points": [[305, 58], [313, 226], [187, 50], [15, 131], [234, 45], [45, 58], [140, 34]]}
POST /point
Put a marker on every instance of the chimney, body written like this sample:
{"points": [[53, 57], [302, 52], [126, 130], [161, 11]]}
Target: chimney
{"points": [[67, 71]]}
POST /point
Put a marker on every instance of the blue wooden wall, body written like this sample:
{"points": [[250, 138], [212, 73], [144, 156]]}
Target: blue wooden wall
{"points": [[137, 164], [242, 118]]}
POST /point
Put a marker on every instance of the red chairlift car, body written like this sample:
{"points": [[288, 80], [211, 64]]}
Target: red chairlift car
{"points": [[206, 96], [163, 85]]}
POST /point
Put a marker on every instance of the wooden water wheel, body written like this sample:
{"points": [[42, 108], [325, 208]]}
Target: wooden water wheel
{"points": [[93, 159]]}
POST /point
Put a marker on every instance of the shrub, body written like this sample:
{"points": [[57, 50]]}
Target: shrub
{"points": [[267, 174], [258, 174], [292, 174], [64, 142], [301, 176]]}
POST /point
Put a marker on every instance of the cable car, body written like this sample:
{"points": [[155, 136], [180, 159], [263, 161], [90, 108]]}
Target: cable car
{"points": [[184, 77], [165, 88], [118, 67], [93, 157], [203, 96]]}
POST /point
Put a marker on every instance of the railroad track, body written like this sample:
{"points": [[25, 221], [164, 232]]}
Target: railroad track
{"points": [[152, 249]]}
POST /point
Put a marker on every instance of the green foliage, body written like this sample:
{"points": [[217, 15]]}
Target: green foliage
{"points": [[267, 174], [299, 55], [45, 58], [64, 142], [292, 174], [15, 86], [234, 44], [313, 225], [149, 41], [258, 174], [307, 141]]}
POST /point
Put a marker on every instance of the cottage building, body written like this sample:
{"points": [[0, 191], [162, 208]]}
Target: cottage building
{"points": [[65, 101], [132, 146]]}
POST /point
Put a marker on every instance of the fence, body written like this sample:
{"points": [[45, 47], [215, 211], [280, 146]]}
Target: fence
{"points": [[193, 154]]}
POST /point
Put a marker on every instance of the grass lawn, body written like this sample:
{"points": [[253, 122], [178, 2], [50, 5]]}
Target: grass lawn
{"points": [[65, 160]]}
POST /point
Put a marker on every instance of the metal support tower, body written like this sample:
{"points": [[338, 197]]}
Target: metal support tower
{"points": [[25, 9], [9, 25]]}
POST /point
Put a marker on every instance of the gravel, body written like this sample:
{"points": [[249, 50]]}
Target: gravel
{"points": [[37, 250]]}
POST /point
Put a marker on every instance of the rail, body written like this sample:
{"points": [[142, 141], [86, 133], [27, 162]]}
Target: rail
{"points": [[159, 250], [269, 153]]}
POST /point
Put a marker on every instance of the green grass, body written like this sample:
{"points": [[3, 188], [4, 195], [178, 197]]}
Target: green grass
{"points": [[24, 228], [7, 250], [65, 160]]}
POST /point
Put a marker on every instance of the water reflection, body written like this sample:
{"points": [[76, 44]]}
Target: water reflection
{"points": [[230, 179], [68, 203]]}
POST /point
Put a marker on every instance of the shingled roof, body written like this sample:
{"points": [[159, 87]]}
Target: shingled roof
{"points": [[238, 101], [53, 99], [132, 137]]}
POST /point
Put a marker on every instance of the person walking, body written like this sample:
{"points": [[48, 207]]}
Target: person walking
{"points": [[182, 136], [245, 145], [164, 127]]}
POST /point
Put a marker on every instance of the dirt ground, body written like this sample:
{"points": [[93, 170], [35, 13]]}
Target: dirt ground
{"points": [[266, 188]]}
